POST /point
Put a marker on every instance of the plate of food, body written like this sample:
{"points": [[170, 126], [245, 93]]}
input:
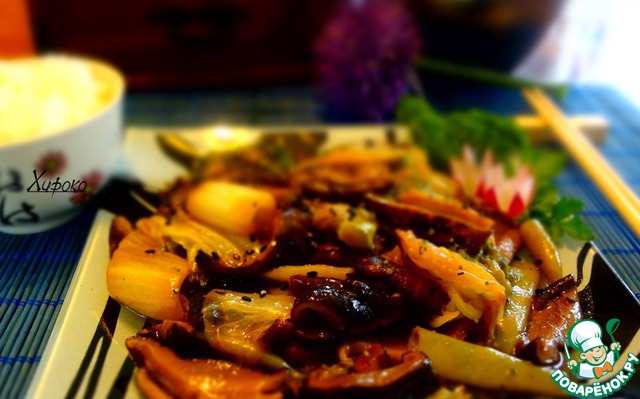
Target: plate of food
{"points": [[336, 262]]}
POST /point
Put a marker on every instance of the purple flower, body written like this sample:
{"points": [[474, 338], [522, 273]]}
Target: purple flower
{"points": [[365, 55]]}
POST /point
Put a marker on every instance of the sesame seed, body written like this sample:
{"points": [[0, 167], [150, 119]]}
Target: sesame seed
{"points": [[246, 298], [150, 251]]}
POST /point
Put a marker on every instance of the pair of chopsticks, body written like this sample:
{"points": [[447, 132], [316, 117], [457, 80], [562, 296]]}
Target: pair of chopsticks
{"points": [[588, 157]]}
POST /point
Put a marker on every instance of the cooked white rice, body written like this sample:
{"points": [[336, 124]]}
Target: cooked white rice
{"points": [[43, 95]]}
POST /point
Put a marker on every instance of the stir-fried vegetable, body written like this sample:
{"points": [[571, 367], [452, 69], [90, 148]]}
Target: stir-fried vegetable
{"points": [[473, 289], [542, 248], [354, 226], [235, 323], [284, 273], [329, 272], [481, 366], [524, 279], [146, 278], [220, 205], [195, 237]]}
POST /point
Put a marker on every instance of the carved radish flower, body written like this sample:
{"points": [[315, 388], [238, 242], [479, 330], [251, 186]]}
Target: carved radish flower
{"points": [[488, 182]]}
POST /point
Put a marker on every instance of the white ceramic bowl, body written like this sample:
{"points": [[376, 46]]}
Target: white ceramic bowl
{"points": [[78, 161]]}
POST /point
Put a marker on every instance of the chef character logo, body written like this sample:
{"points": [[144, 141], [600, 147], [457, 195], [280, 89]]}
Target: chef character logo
{"points": [[596, 359], [596, 363]]}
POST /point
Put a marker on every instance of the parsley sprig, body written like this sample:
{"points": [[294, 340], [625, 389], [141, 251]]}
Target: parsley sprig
{"points": [[559, 214]]}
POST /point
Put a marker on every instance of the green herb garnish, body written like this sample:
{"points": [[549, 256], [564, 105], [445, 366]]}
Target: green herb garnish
{"points": [[443, 136], [558, 214]]}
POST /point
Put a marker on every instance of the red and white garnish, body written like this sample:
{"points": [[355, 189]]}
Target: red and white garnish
{"points": [[488, 182]]}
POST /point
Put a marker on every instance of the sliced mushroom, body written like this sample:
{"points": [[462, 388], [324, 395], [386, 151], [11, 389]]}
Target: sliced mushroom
{"points": [[163, 374], [428, 297], [437, 229], [326, 307], [555, 309], [412, 376]]}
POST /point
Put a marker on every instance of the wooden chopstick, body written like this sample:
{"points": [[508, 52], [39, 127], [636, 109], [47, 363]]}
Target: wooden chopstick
{"points": [[588, 157], [594, 127]]}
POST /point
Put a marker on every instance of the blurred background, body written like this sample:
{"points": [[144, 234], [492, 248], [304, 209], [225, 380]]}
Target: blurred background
{"points": [[591, 41], [187, 44]]}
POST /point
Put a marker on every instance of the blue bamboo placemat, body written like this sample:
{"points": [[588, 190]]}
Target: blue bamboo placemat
{"points": [[35, 270]]}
